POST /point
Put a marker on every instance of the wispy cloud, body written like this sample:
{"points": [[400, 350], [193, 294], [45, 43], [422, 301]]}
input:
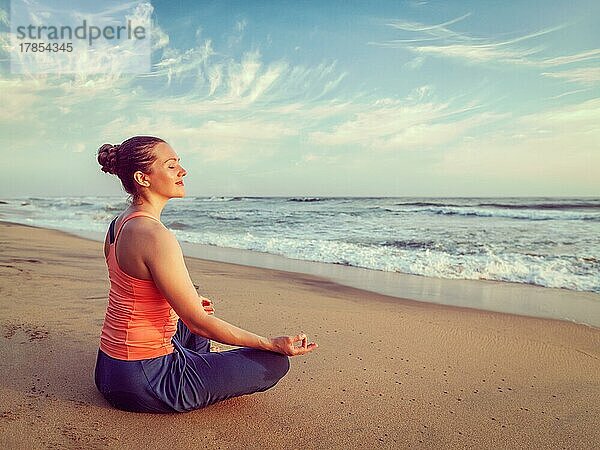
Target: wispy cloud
{"points": [[584, 75], [478, 53], [237, 36], [412, 124], [240, 25], [569, 59], [581, 117], [415, 63], [564, 94], [175, 63], [438, 31], [439, 40]]}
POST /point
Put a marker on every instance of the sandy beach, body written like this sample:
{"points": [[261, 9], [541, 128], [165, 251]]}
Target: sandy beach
{"points": [[389, 372]]}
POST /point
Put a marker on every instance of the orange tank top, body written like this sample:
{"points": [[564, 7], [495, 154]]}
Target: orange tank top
{"points": [[139, 322]]}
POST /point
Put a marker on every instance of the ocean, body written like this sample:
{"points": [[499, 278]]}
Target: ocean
{"points": [[550, 242]]}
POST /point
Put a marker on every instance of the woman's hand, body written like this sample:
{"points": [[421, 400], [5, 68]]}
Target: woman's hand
{"points": [[292, 346], [207, 304]]}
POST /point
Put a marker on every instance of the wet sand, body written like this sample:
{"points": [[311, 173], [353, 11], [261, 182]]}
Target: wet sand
{"points": [[389, 373]]}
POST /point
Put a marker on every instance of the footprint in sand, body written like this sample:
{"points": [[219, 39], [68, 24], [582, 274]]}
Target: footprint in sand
{"points": [[7, 269], [24, 260], [33, 332], [8, 416]]}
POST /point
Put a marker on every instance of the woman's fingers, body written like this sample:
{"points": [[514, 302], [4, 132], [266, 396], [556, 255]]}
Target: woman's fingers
{"points": [[304, 346], [287, 345], [303, 350], [300, 338]]}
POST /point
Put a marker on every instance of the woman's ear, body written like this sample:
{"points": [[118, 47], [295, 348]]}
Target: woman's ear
{"points": [[141, 179]]}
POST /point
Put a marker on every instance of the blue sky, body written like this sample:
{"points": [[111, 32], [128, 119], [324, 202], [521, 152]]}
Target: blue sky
{"points": [[356, 98]]}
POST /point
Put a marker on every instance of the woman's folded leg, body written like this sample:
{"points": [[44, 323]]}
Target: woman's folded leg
{"points": [[188, 380]]}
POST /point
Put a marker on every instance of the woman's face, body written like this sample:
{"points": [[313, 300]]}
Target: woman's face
{"points": [[166, 174]]}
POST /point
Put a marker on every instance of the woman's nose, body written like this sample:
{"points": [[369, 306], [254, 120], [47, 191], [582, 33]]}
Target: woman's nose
{"points": [[184, 172]]}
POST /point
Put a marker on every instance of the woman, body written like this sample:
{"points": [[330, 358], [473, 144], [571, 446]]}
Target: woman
{"points": [[154, 351]]}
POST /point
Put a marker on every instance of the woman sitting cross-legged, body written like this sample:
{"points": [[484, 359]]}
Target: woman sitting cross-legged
{"points": [[154, 351]]}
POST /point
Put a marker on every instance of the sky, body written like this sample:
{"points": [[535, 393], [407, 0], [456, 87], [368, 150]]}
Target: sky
{"points": [[327, 98]]}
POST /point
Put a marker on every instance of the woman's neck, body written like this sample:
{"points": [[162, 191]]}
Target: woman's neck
{"points": [[151, 206]]}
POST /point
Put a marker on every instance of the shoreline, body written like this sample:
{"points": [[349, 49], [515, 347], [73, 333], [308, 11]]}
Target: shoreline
{"points": [[483, 295]]}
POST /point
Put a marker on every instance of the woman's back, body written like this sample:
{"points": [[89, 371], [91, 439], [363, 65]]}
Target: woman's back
{"points": [[139, 321], [133, 248]]}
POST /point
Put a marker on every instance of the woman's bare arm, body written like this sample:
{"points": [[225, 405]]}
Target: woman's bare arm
{"points": [[169, 272]]}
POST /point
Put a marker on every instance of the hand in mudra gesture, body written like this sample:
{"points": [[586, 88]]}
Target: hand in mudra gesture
{"points": [[293, 346], [287, 345]]}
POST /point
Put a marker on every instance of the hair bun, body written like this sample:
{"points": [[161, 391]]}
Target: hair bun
{"points": [[107, 157]]}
